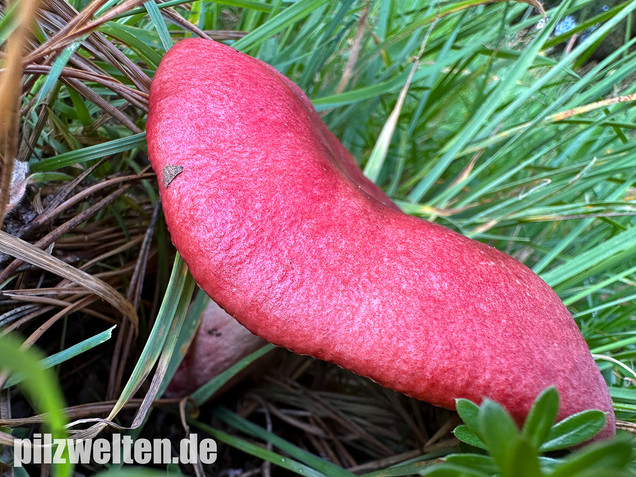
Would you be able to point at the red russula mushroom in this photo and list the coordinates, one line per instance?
(279, 227)
(219, 342)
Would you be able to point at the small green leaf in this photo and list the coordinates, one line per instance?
(452, 470)
(522, 460)
(468, 436)
(574, 430)
(605, 456)
(482, 463)
(542, 416)
(498, 431)
(469, 412)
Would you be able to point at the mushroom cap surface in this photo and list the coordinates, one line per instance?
(279, 226)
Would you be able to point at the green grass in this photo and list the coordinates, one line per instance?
(505, 133)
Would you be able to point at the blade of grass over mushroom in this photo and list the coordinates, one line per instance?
(26, 252)
(69, 353)
(171, 313)
(188, 330)
(167, 350)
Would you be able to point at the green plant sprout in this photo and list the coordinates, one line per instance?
(507, 451)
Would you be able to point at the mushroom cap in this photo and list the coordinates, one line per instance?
(278, 225)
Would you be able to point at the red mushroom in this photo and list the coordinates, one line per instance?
(279, 227)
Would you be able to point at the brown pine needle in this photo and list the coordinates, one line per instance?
(31, 254)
